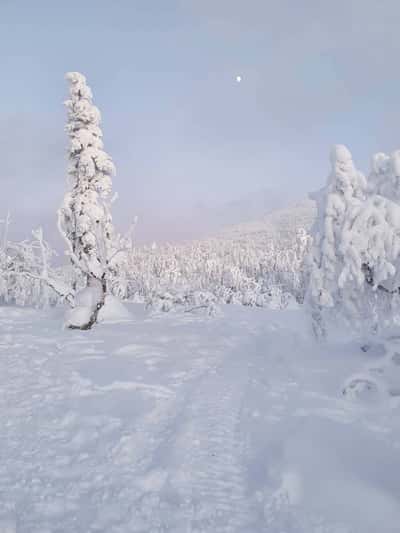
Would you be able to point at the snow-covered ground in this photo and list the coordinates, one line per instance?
(184, 423)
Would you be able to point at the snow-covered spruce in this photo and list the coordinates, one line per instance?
(355, 261)
(371, 244)
(84, 219)
(344, 192)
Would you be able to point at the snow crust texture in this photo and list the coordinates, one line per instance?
(189, 424)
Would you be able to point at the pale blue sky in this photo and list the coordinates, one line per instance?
(181, 131)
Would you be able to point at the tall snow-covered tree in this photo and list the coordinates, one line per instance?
(84, 219)
(371, 241)
(344, 192)
(355, 267)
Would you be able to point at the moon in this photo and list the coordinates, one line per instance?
(238, 79)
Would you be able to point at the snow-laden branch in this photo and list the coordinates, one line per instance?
(59, 287)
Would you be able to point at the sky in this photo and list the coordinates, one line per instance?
(184, 135)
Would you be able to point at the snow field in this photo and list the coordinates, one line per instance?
(190, 423)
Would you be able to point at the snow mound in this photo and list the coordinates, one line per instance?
(77, 317)
(363, 388)
(85, 302)
(113, 310)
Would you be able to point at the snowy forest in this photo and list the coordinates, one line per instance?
(197, 274)
(343, 268)
(245, 380)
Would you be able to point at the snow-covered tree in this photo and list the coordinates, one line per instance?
(84, 219)
(344, 193)
(371, 243)
(378, 176)
(384, 178)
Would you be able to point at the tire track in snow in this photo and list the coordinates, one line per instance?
(142, 446)
(209, 479)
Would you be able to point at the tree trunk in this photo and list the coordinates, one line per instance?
(96, 307)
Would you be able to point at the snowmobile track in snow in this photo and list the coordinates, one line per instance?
(209, 477)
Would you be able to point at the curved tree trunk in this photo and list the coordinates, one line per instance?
(95, 307)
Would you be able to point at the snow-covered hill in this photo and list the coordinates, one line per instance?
(277, 224)
(185, 424)
(252, 206)
(201, 221)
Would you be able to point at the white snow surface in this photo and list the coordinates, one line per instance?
(77, 316)
(186, 423)
(113, 310)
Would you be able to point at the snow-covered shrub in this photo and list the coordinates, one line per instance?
(25, 269)
(187, 301)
